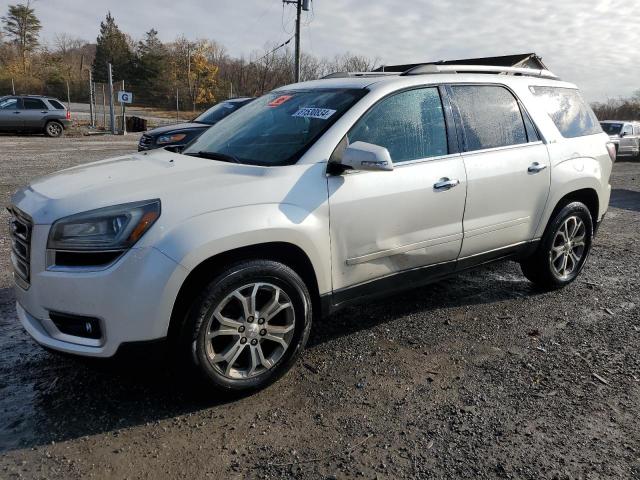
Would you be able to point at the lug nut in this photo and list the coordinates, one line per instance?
(241, 329)
(263, 332)
(261, 321)
(254, 342)
(250, 319)
(243, 340)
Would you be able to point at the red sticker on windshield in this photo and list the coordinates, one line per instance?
(279, 101)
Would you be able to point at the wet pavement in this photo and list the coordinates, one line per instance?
(477, 376)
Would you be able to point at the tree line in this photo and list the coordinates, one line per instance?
(195, 74)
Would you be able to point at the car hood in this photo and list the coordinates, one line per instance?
(177, 127)
(189, 184)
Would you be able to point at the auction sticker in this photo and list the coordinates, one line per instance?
(312, 112)
(276, 102)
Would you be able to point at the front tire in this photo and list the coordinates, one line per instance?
(563, 249)
(53, 129)
(248, 326)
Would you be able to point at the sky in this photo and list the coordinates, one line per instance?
(593, 43)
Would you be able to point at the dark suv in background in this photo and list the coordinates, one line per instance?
(33, 113)
(182, 133)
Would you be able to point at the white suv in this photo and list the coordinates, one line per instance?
(311, 197)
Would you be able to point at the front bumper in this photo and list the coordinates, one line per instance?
(132, 299)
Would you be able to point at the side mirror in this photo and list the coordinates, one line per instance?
(367, 156)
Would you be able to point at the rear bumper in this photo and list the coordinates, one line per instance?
(66, 123)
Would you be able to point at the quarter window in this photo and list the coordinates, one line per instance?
(568, 110)
(490, 117)
(56, 104)
(409, 124)
(34, 104)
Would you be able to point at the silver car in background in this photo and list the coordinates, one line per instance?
(625, 135)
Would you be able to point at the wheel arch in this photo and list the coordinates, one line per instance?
(287, 253)
(588, 196)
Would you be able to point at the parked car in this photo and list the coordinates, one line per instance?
(624, 135)
(33, 113)
(312, 197)
(182, 133)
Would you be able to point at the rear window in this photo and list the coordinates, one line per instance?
(568, 110)
(56, 104)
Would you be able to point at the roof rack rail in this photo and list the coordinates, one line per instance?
(431, 68)
(359, 74)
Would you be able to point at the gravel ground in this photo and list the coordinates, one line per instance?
(478, 376)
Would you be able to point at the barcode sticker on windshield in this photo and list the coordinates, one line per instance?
(312, 112)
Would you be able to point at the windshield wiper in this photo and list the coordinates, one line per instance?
(223, 157)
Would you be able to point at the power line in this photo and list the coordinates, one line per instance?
(274, 50)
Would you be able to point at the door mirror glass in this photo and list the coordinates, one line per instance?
(367, 156)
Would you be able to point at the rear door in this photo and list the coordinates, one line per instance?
(10, 113)
(34, 113)
(387, 223)
(507, 168)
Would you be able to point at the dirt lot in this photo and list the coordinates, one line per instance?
(479, 376)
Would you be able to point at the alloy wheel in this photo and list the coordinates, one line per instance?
(54, 129)
(568, 247)
(249, 331)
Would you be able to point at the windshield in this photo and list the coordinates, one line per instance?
(277, 128)
(217, 113)
(611, 128)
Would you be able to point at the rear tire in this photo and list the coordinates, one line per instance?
(563, 249)
(248, 326)
(53, 129)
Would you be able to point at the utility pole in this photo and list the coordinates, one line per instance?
(92, 112)
(112, 116)
(124, 118)
(300, 6)
(13, 86)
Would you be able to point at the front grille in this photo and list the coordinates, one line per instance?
(20, 227)
(145, 142)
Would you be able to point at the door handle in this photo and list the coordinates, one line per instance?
(16, 113)
(44, 111)
(445, 184)
(536, 167)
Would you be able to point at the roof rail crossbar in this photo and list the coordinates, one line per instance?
(430, 68)
(359, 74)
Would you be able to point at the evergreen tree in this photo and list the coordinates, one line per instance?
(22, 28)
(151, 56)
(112, 46)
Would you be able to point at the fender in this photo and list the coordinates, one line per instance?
(202, 237)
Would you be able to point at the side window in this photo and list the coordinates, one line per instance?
(34, 104)
(409, 124)
(9, 104)
(490, 117)
(570, 113)
(627, 130)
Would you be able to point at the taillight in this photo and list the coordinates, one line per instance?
(68, 114)
(611, 148)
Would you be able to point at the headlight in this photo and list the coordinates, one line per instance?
(176, 137)
(105, 229)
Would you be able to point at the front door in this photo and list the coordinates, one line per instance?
(507, 168)
(384, 223)
(10, 113)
